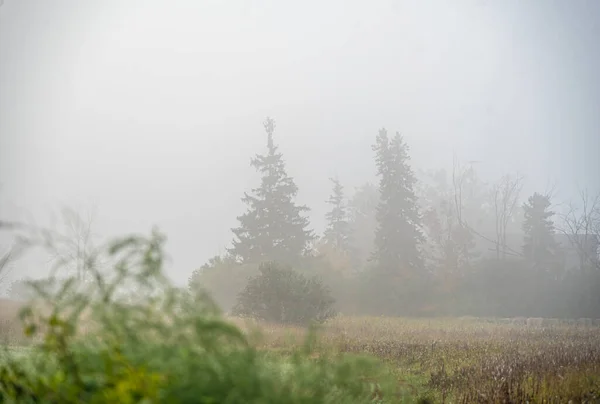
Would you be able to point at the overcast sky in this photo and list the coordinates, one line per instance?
(149, 111)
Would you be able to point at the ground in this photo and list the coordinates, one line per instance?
(441, 359)
(469, 359)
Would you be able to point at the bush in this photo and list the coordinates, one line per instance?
(164, 345)
(282, 295)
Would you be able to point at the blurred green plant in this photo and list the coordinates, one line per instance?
(129, 336)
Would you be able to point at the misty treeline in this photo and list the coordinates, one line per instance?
(419, 243)
(426, 243)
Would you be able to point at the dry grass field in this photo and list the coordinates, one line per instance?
(467, 359)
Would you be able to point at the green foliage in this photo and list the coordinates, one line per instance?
(363, 222)
(337, 233)
(398, 236)
(274, 227)
(539, 247)
(285, 296)
(392, 294)
(161, 344)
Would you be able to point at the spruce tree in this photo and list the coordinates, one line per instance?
(337, 233)
(273, 228)
(363, 222)
(539, 245)
(398, 236)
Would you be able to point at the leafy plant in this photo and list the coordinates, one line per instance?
(282, 295)
(98, 343)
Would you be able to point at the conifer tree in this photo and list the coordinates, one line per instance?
(273, 228)
(337, 233)
(539, 246)
(363, 222)
(398, 236)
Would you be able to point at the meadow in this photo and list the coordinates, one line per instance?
(465, 360)
(451, 360)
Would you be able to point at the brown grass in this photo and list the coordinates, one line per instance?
(466, 359)
(453, 359)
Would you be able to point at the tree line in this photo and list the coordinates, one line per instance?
(416, 242)
(420, 243)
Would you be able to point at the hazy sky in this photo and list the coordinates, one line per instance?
(149, 111)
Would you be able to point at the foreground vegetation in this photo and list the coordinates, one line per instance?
(441, 360)
(129, 336)
(125, 334)
(354, 359)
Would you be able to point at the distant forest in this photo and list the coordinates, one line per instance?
(427, 243)
(434, 243)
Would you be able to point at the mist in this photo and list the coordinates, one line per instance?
(147, 113)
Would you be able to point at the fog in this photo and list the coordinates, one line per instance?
(148, 112)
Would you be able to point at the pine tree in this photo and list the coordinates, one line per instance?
(337, 233)
(398, 236)
(539, 246)
(362, 207)
(273, 228)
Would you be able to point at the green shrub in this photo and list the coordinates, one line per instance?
(161, 344)
(282, 295)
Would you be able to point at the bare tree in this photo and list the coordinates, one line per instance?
(581, 226)
(69, 247)
(76, 244)
(458, 177)
(4, 268)
(461, 233)
(471, 206)
(451, 202)
(505, 198)
(6, 255)
(9, 255)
